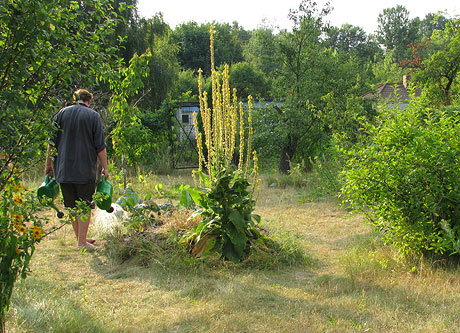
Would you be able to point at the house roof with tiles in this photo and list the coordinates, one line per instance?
(399, 91)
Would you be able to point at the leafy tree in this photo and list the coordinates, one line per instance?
(248, 81)
(260, 49)
(354, 41)
(440, 73)
(127, 31)
(431, 26)
(159, 86)
(309, 72)
(396, 30)
(194, 52)
(46, 47)
(431, 23)
(305, 76)
(229, 47)
(243, 36)
(152, 29)
(160, 125)
(164, 70)
(192, 40)
(418, 53)
(186, 87)
(152, 36)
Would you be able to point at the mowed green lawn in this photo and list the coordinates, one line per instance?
(353, 283)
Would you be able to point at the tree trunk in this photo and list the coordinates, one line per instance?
(287, 152)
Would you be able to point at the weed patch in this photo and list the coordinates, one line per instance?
(161, 243)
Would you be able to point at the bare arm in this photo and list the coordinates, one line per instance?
(49, 161)
(103, 158)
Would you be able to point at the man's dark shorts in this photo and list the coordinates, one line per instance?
(77, 192)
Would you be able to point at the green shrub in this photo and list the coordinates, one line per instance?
(405, 179)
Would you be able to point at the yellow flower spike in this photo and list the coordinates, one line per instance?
(211, 46)
(224, 120)
(256, 180)
(200, 85)
(250, 133)
(241, 160)
(200, 152)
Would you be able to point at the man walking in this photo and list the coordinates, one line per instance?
(79, 142)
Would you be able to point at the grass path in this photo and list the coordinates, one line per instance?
(354, 284)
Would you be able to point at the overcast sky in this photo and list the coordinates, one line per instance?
(251, 13)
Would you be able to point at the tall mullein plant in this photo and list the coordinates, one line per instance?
(226, 127)
(226, 199)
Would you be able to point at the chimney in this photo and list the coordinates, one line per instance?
(406, 79)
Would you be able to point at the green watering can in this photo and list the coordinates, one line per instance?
(47, 192)
(105, 187)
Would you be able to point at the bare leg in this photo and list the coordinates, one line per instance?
(81, 228)
(75, 226)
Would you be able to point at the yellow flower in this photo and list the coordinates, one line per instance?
(17, 217)
(22, 228)
(37, 232)
(18, 251)
(17, 199)
(17, 225)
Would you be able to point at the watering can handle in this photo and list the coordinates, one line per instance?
(103, 180)
(48, 178)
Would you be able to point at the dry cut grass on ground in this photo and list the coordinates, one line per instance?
(353, 283)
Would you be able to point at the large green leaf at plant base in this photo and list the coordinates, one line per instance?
(230, 253)
(237, 220)
(237, 237)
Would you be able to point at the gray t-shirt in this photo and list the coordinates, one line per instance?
(78, 140)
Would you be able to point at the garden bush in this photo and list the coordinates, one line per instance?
(405, 179)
